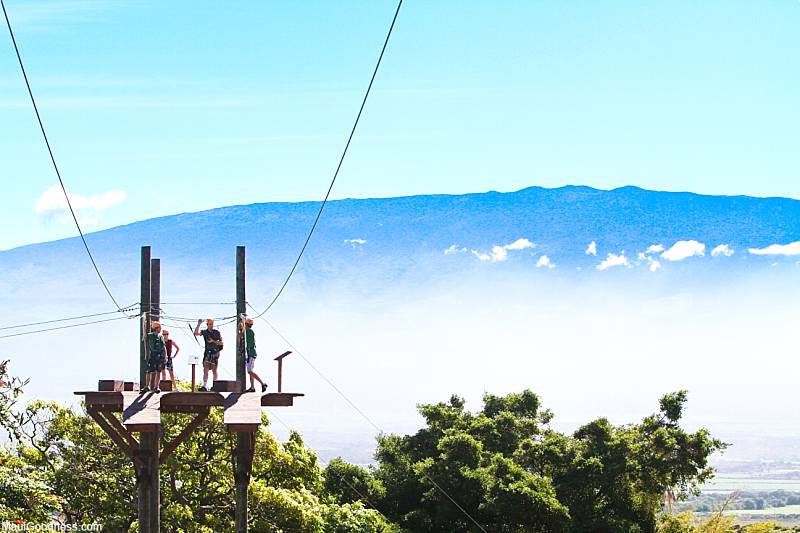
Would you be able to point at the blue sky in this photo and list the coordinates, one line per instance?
(155, 108)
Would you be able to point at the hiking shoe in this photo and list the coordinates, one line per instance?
(263, 387)
(202, 389)
(251, 389)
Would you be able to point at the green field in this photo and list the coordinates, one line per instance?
(731, 484)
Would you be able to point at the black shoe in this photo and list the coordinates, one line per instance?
(146, 389)
(251, 389)
(157, 391)
(202, 389)
(263, 387)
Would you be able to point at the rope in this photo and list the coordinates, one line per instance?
(339, 166)
(53, 159)
(363, 415)
(124, 309)
(64, 327)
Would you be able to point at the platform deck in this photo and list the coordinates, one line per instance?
(144, 408)
(243, 411)
(141, 412)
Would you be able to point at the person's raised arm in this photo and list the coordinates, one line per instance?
(197, 328)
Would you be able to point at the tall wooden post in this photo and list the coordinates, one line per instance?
(244, 441)
(150, 441)
(144, 302)
(241, 309)
(143, 472)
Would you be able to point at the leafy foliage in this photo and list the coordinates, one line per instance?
(502, 469)
(509, 471)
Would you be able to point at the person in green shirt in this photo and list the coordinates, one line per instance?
(155, 358)
(250, 362)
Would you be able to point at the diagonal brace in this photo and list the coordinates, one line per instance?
(190, 427)
(131, 450)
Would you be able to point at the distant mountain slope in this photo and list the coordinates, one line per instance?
(406, 232)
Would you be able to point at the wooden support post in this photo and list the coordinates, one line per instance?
(147, 474)
(280, 359)
(241, 309)
(242, 466)
(150, 442)
(144, 303)
(143, 481)
(193, 376)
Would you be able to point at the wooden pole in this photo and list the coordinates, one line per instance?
(144, 302)
(244, 443)
(280, 374)
(150, 441)
(241, 309)
(143, 484)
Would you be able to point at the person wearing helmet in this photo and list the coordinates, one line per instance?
(169, 344)
(214, 344)
(250, 362)
(155, 358)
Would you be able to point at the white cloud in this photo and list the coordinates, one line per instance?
(655, 249)
(544, 262)
(778, 249)
(591, 249)
(454, 249)
(87, 208)
(519, 244)
(683, 249)
(652, 264)
(498, 253)
(355, 242)
(613, 260)
(722, 249)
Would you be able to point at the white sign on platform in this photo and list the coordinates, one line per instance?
(193, 359)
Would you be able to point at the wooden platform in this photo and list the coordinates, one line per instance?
(141, 412)
(243, 411)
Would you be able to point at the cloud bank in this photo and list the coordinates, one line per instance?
(52, 203)
(498, 253)
(684, 249)
(778, 249)
(722, 249)
(613, 260)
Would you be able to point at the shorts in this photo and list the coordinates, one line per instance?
(168, 363)
(250, 364)
(210, 360)
(155, 363)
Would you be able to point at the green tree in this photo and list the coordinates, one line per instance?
(97, 481)
(509, 471)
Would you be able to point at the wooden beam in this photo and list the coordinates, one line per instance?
(190, 427)
(241, 467)
(114, 436)
(116, 424)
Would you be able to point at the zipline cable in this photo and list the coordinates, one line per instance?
(66, 327)
(339, 166)
(52, 157)
(68, 319)
(363, 415)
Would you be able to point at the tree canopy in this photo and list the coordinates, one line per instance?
(500, 469)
